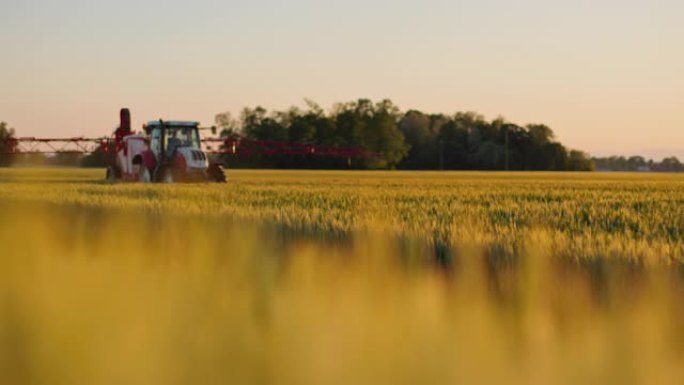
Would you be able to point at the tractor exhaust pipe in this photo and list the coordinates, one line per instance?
(123, 130)
(125, 121)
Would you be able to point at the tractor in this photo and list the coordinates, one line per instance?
(166, 151)
(172, 151)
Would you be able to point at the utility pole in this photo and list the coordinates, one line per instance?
(441, 155)
(507, 151)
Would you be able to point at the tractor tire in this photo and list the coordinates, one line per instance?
(215, 173)
(168, 175)
(110, 176)
(144, 175)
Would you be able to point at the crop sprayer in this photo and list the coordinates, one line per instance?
(169, 151)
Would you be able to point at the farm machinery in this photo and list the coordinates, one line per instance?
(170, 151)
(166, 151)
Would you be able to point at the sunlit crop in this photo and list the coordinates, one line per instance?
(588, 215)
(342, 277)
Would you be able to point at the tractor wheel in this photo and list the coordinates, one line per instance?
(110, 176)
(216, 174)
(144, 175)
(168, 175)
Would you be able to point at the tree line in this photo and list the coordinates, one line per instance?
(638, 163)
(402, 140)
(412, 140)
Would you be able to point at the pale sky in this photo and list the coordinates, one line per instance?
(606, 75)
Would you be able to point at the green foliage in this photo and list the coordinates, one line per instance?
(638, 163)
(97, 158)
(466, 141)
(361, 124)
(257, 124)
(580, 161)
(372, 127)
(411, 140)
(226, 124)
(6, 149)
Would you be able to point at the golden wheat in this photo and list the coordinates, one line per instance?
(339, 278)
(634, 216)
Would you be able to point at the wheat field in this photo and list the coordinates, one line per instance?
(309, 277)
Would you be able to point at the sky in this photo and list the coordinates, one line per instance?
(606, 75)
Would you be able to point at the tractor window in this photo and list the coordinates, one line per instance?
(182, 136)
(155, 141)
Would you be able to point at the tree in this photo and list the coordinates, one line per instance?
(415, 126)
(96, 159)
(227, 125)
(418, 134)
(489, 156)
(351, 119)
(372, 127)
(580, 161)
(303, 127)
(257, 124)
(7, 147)
(554, 157)
(540, 133)
(413, 140)
(452, 142)
(671, 164)
(636, 162)
(386, 139)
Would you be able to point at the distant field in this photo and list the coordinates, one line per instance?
(634, 216)
(294, 277)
